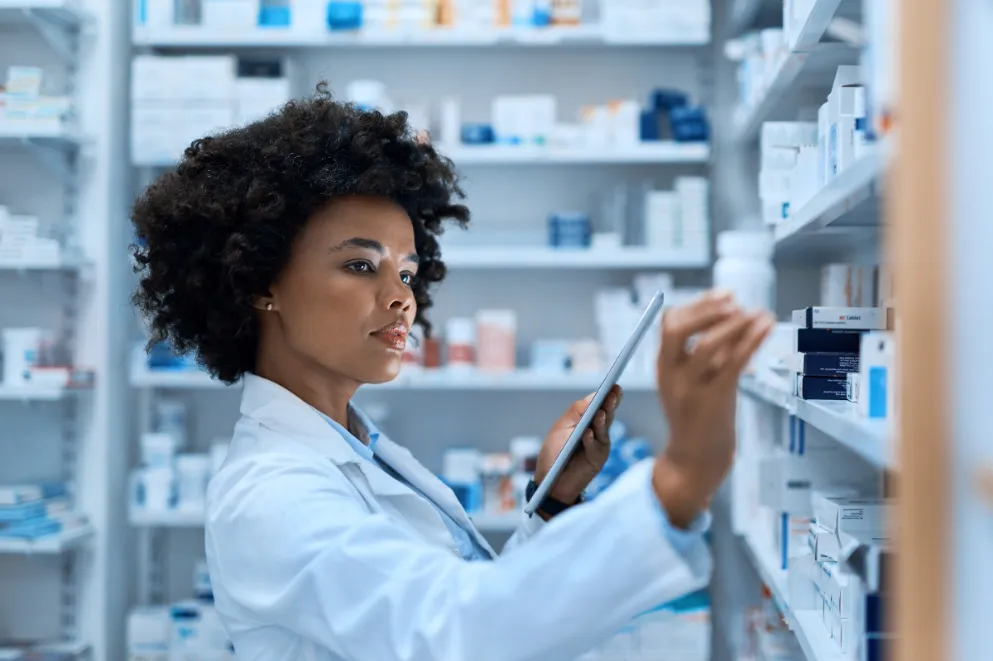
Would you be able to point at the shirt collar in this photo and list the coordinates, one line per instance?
(365, 429)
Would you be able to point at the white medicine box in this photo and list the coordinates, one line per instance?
(856, 517)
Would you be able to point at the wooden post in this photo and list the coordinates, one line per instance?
(918, 217)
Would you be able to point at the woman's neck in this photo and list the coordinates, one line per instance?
(325, 390)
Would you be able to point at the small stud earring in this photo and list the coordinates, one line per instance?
(268, 307)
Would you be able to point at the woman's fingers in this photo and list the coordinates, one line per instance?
(682, 323)
(712, 348)
(757, 331)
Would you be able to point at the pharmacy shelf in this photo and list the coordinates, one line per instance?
(742, 14)
(63, 13)
(33, 393)
(813, 636)
(800, 78)
(592, 258)
(845, 205)
(440, 379)
(643, 153)
(142, 518)
(870, 439)
(588, 35)
(28, 132)
(49, 544)
(65, 263)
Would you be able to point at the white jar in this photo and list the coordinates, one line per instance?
(744, 267)
(192, 473)
(21, 349)
(460, 339)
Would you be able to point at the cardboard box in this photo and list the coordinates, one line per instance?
(787, 481)
(852, 383)
(877, 381)
(821, 388)
(841, 318)
(824, 340)
(858, 517)
(824, 364)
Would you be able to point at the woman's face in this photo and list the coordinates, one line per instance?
(344, 303)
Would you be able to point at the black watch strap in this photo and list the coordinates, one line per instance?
(549, 506)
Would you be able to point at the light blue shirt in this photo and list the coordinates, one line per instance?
(681, 540)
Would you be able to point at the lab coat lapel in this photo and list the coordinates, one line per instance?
(403, 462)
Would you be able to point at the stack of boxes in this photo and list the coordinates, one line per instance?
(36, 511)
(842, 576)
(826, 347)
(789, 475)
(784, 145)
(678, 220)
(801, 158)
(176, 100)
(22, 242)
(23, 108)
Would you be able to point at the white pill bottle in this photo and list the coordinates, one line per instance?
(744, 267)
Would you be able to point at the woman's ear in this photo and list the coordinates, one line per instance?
(265, 303)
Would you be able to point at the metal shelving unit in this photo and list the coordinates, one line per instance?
(61, 24)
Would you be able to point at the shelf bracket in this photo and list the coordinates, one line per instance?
(69, 605)
(59, 33)
(55, 158)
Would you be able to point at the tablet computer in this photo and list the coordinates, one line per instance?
(622, 360)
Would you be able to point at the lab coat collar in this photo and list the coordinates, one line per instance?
(276, 408)
(279, 410)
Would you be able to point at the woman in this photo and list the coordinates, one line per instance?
(295, 254)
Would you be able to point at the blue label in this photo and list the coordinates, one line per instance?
(877, 392)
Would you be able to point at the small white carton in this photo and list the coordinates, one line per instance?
(857, 517)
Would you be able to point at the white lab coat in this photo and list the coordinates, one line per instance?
(317, 554)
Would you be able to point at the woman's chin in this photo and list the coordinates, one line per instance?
(387, 372)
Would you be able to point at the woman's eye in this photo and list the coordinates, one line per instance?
(360, 267)
(408, 278)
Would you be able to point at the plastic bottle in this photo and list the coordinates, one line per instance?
(496, 346)
(461, 343)
(744, 267)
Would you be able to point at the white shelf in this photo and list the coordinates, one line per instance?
(49, 544)
(836, 205)
(520, 380)
(643, 153)
(65, 12)
(167, 379)
(168, 519)
(439, 379)
(814, 638)
(591, 258)
(589, 35)
(32, 393)
(30, 131)
(64, 263)
(870, 439)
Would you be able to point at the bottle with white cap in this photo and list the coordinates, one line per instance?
(460, 337)
(744, 267)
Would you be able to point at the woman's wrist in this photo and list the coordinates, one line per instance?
(681, 495)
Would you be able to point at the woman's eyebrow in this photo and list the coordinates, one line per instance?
(370, 244)
(359, 242)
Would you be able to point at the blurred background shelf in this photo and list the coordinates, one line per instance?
(552, 258)
(440, 379)
(644, 153)
(813, 636)
(47, 545)
(33, 393)
(585, 35)
(873, 440)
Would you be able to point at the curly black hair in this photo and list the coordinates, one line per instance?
(215, 233)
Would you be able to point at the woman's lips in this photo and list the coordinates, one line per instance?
(394, 336)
